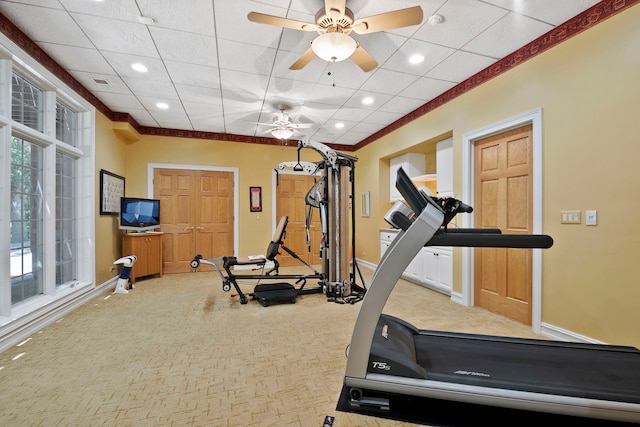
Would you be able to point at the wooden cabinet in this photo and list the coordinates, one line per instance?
(414, 164)
(148, 248)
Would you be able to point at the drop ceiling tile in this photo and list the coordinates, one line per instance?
(161, 91)
(381, 46)
(401, 105)
(232, 23)
(119, 101)
(121, 64)
(46, 25)
(388, 82)
(50, 4)
(356, 101)
(142, 117)
(256, 59)
(95, 82)
(193, 75)
(463, 20)
(122, 10)
(78, 58)
(352, 114)
(123, 37)
(185, 47)
(198, 94)
(382, 117)
(196, 17)
(308, 92)
(507, 35)
(426, 88)
(459, 66)
(372, 8)
(343, 74)
(553, 12)
(366, 129)
(174, 117)
(243, 86)
(433, 55)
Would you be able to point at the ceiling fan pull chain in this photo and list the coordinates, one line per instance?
(332, 75)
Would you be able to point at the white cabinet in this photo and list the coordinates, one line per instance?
(414, 164)
(444, 167)
(432, 267)
(386, 237)
(438, 268)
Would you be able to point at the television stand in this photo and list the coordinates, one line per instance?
(147, 246)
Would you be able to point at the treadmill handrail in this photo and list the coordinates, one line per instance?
(394, 261)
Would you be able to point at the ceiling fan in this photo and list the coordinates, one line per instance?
(334, 23)
(283, 127)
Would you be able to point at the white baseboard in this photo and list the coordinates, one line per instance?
(560, 334)
(18, 330)
(367, 264)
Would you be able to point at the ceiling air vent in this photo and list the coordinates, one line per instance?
(101, 82)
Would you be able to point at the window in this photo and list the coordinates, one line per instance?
(65, 219)
(47, 212)
(66, 124)
(27, 238)
(27, 103)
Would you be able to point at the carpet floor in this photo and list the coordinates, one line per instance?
(178, 351)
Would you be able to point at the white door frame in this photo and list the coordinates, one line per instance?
(534, 118)
(236, 183)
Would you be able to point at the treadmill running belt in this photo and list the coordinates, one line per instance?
(569, 369)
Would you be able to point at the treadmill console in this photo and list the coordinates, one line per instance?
(415, 199)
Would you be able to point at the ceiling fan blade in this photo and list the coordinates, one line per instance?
(363, 59)
(388, 21)
(303, 60)
(335, 8)
(262, 18)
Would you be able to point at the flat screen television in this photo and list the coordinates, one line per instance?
(139, 214)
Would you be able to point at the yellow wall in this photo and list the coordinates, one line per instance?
(128, 154)
(589, 93)
(110, 155)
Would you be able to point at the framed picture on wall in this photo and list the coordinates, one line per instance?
(364, 204)
(255, 199)
(111, 190)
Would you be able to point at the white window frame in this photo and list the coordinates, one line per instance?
(21, 319)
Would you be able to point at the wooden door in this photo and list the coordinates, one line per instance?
(196, 213)
(290, 201)
(503, 199)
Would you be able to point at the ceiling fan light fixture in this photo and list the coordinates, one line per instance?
(282, 133)
(334, 46)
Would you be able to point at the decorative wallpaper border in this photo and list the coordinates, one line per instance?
(592, 16)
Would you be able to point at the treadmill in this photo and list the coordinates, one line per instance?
(389, 357)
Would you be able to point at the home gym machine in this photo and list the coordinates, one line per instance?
(390, 360)
(332, 197)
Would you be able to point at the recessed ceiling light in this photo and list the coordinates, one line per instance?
(162, 105)
(139, 67)
(339, 125)
(416, 58)
(367, 100)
